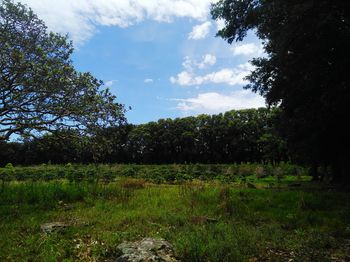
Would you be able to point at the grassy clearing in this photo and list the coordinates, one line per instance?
(205, 221)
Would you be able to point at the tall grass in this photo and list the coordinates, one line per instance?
(204, 220)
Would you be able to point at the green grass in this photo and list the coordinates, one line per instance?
(277, 223)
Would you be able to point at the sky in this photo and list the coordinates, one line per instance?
(159, 57)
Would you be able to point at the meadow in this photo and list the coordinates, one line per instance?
(246, 212)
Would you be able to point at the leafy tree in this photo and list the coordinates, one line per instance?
(236, 136)
(304, 72)
(115, 143)
(40, 90)
(64, 147)
(11, 153)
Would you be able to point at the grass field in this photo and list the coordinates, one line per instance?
(204, 220)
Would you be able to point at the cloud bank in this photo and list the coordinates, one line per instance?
(229, 76)
(200, 31)
(80, 17)
(213, 102)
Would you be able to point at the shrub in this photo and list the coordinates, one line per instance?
(128, 171)
(154, 173)
(7, 173)
(279, 173)
(259, 172)
(181, 177)
(245, 170)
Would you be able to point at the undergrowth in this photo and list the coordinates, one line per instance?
(204, 220)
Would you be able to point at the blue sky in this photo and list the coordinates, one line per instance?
(160, 57)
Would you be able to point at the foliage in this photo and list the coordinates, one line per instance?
(233, 137)
(7, 173)
(304, 70)
(40, 89)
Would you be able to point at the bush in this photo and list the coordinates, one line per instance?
(154, 173)
(7, 173)
(128, 171)
(259, 172)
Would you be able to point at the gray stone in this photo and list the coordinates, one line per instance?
(146, 250)
(53, 227)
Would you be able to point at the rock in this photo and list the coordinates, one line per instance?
(146, 250)
(53, 227)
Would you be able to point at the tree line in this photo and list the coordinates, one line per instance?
(233, 137)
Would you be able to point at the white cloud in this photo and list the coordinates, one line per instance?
(109, 84)
(183, 79)
(190, 65)
(230, 76)
(208, 60)
(148, 80)
(220, 24)
(247, 49)
(213, 102)
(80, 17)
(200, 31)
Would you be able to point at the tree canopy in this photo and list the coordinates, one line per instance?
(40, 90)
(304, 72)
(233, 137)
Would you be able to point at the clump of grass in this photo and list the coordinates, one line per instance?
(133, 183)
(226, 203)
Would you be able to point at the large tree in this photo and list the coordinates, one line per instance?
(40, 90)
(305, 71)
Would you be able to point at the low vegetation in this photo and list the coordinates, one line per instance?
(153, 173)
(217, 214)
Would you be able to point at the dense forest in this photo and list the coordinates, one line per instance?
(233, 137)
